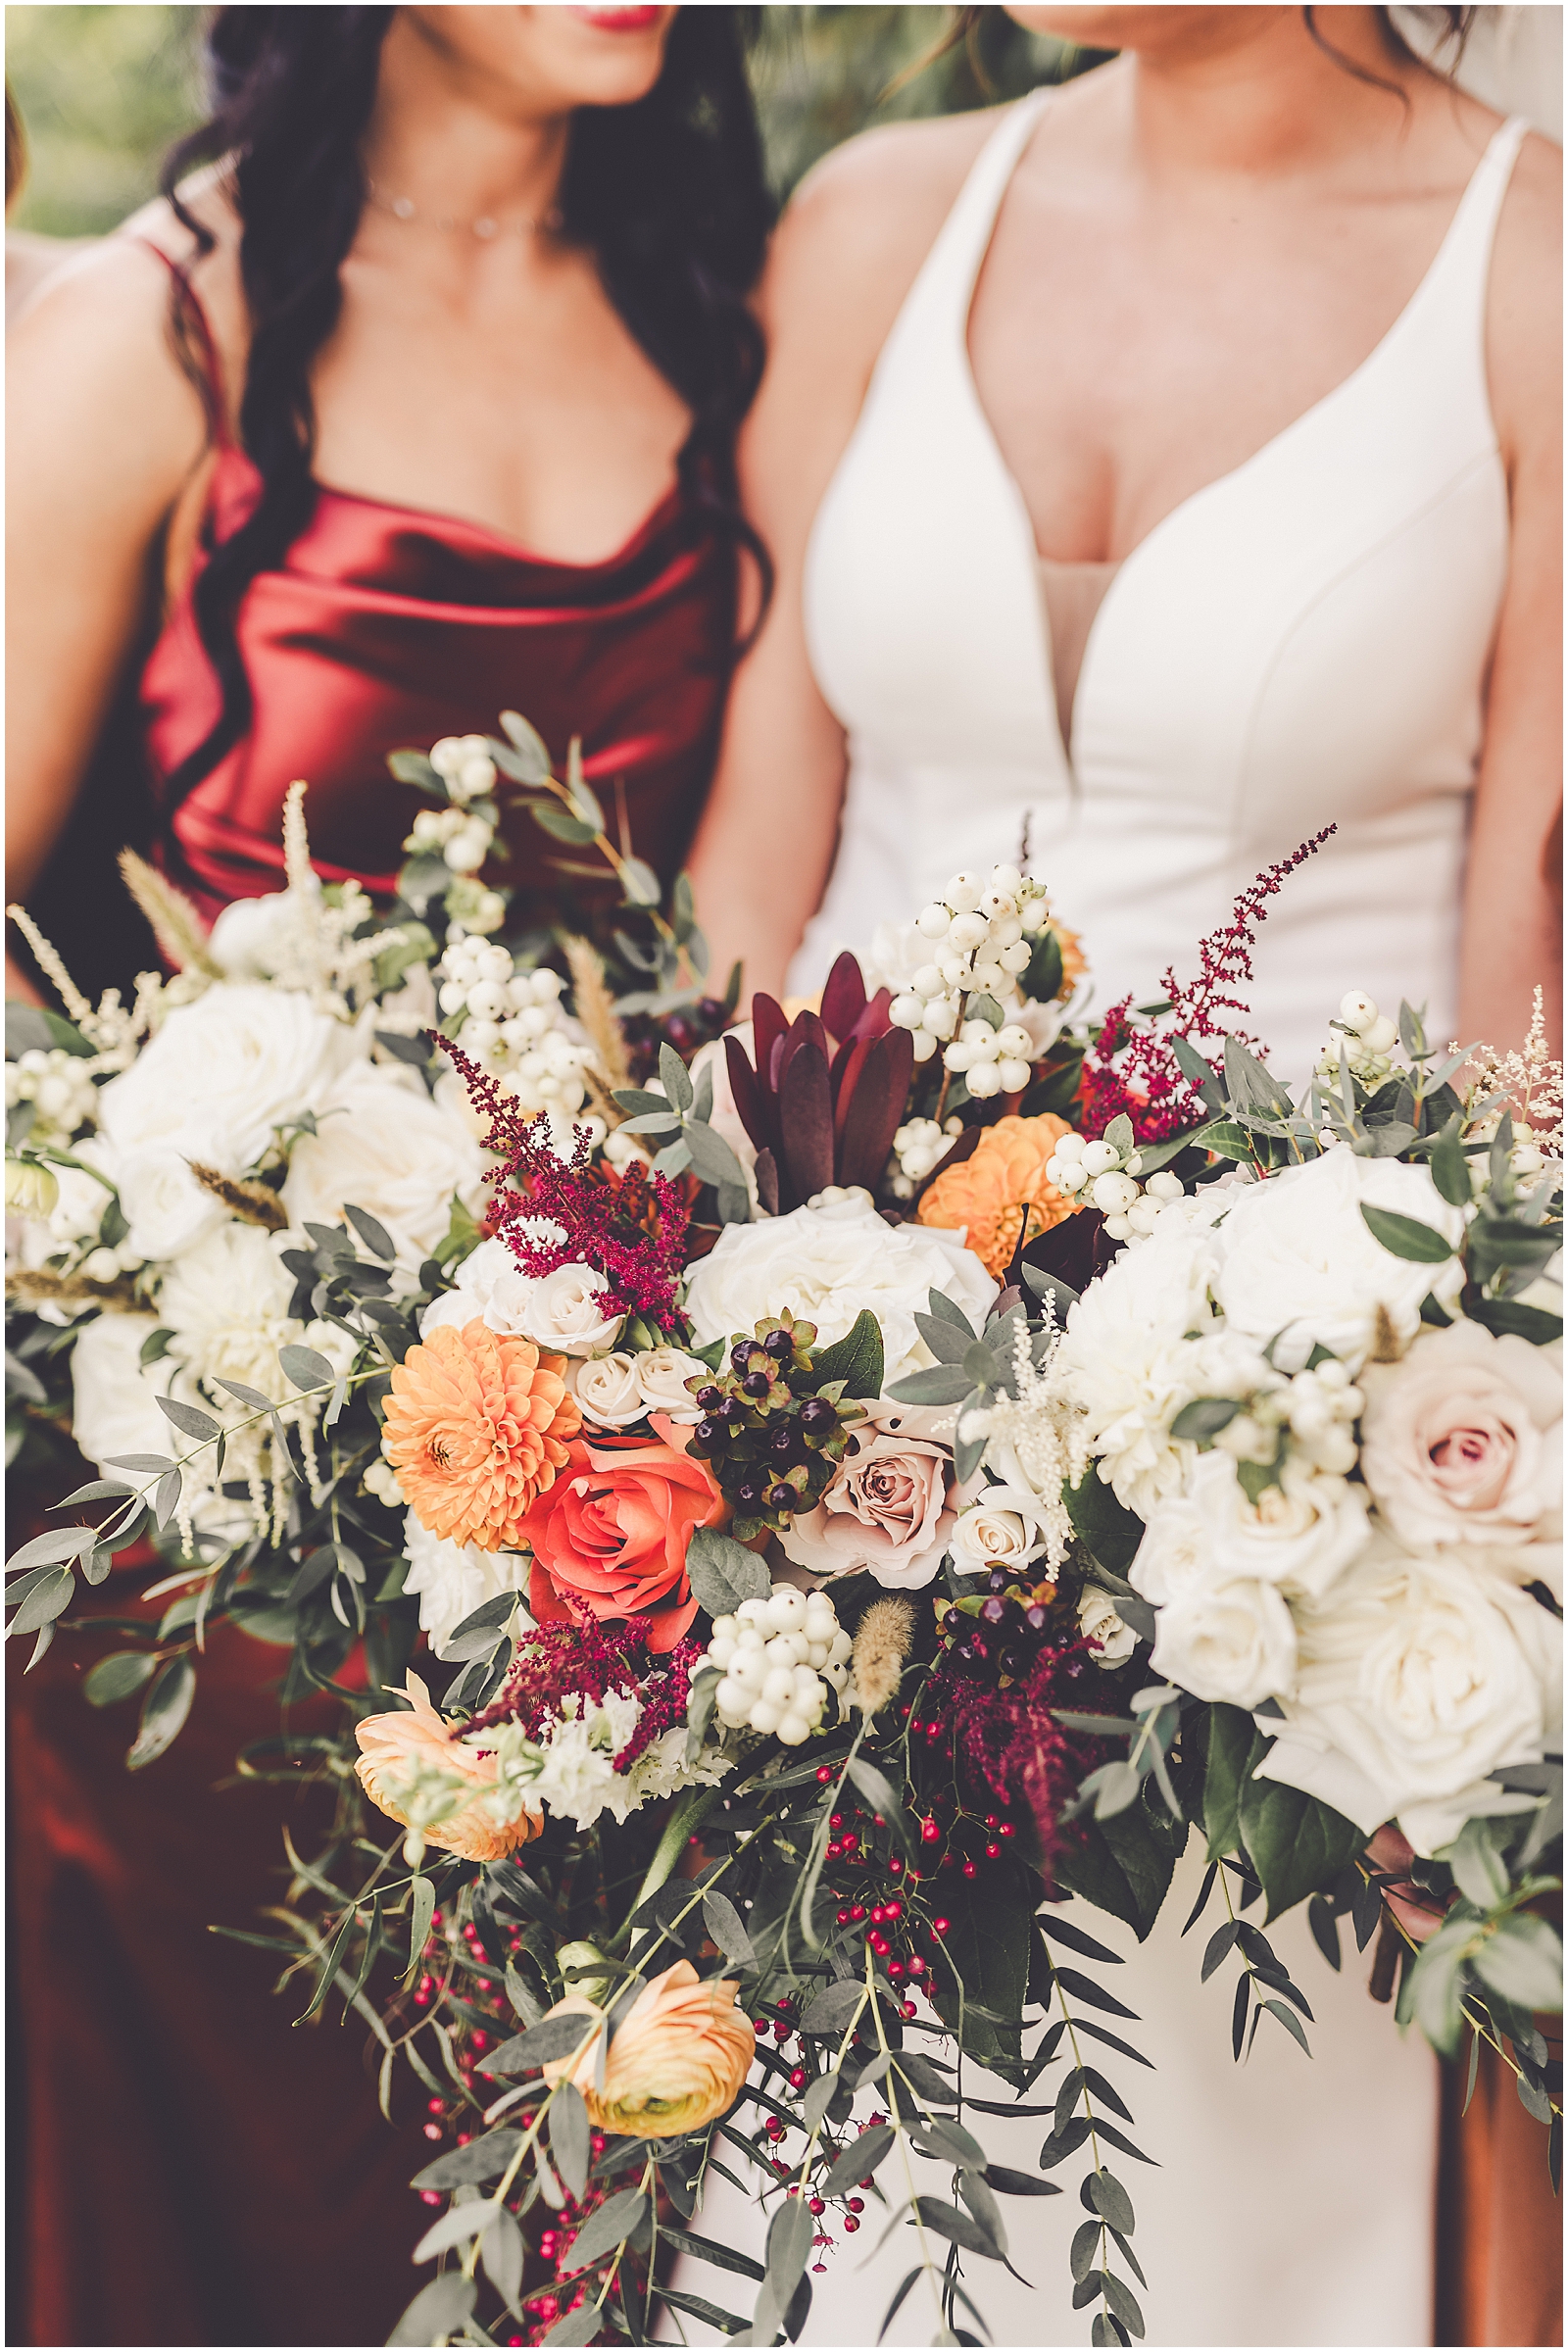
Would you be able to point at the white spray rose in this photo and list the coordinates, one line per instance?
(1003, 1529)
(571, 1310)
(1101, 1621)
(1233, 1641)
(1300, 1258)
(1416, 1679)
(1461, 1441)
(607, 1389)
(662, 1374)
(453, 1579)
(1298, 1535)
(824, 1265)
(383, 1144)
(490, 1288)
(254, 938)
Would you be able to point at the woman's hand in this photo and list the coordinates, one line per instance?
(1418, 1911)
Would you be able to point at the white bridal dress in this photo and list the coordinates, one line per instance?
(1302, 641)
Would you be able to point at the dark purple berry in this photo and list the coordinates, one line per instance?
(995, 1582)
(739, 1357)
(779, 1342)
(817, 1417)
(757, 1384)
(1035, 1619)
(994, 1610)
(680, 1033)
(780, 1497)
(783, 1444)
(707, 1432)
(711, 1399)
(748, 1494)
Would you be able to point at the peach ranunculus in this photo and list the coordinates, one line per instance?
(676, 2060)
(999, 1187)
(888, 1509)
(610, 1534)
(477, 1426)
(1462, 1440)
(396, 1748)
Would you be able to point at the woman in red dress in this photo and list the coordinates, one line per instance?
(415, 404)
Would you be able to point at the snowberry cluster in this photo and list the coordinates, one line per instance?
(1109, 1181)
(60, 1087)
(464, 767)
(917, 1147)
(461, 837)
(1366, 1036)
(514, 1026)
(979, 947)
(1320, 1408)
(778, 1657)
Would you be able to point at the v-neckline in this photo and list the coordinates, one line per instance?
(1194, 498)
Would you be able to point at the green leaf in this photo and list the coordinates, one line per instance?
(437, 2311)
(118, 1676)
(723, 1573)
(302, 1367)
(1111, 1532)
(44, 1602)
(937, 1384)
(528, 759)
(559, 823)
(57, 1544)
(421, 1911)
(163, 1712)
(188, 1417)
(1111, 2200)
(675, 1077)
(1480, 1871)
(1506, 1315)
(789, 2248)
(607, 2228)
(857, 1359)
(1201, 1421)
(989, 1945)
(829, 2013)
(1523, 1961)
(878, 1792)
(1124, 1865)
(723, 2258)
(579, 2326)
(727, 1929)
(639, 882)
(1234, 1747)
(35, 1029)
(1226, 1140)
(1298, 1844)
(1406, 1237)
(570, 2140)
(553, 2038)
(1451, 1171)
(859, 2161)
(960, 2227)
(371, 1233)
(1289, 2019)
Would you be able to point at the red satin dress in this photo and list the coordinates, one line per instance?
(188, 2167)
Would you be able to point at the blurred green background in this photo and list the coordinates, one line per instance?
(103, 91)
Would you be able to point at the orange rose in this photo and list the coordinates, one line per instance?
(393, 1750)
(1001, 1190)
(476, 1425)
(610, 1534)
(676, 2060)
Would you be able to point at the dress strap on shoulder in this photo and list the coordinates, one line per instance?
(194, 333)
(953, 264)
(1475, 222)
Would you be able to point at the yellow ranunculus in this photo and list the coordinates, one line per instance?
(675, 2061)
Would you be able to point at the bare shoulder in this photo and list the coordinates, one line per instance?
(862, 223)
(1524, 311)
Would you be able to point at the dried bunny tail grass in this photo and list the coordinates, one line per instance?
(175, 924)
(72, 1289)
(597, 1012)
(51, 964)
(1386, 1345)
(882, 1642)
(257, 1203)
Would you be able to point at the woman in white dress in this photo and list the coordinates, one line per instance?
(1170, 465)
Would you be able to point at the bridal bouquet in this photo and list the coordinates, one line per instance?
(866, 1478)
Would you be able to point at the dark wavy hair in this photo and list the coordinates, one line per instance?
(667, 193)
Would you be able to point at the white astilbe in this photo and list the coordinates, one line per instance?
(1038, 1439)
(1531, 1085)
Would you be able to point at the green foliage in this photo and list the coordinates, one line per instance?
(101, 93)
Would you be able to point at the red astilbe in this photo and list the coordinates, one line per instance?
(631, 1227)
(1007, 1745)
(1133, 1072)
(586, 1659)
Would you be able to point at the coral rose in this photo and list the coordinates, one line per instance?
(676, 2060)
(396, 1748)
(611, 1535)
(477, 1426)
(1000, 1188)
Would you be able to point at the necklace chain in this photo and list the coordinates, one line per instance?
(404, 209)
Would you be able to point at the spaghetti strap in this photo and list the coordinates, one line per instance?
(194, 333)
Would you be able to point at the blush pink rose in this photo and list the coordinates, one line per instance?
(1462, 1440)
(892, 1504)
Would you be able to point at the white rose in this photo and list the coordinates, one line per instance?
(453, 1579)
(1003, 1529)
(490, 1286)
(608, 1390)
(1300, 1258)
(1175, 1558)
(1127, 1360)
(166, 1209)
(224, 1072)
(824, 1265)
(565, 1311)
(1300, 1536)
(227, 1302)
(383, 1144)
(115, 1405)
(1416, 1679)
(1233, 1641)
(1100, 1621)
(661, 1376)
(1461, 1441)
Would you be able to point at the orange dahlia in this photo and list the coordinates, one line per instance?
(1002, 1193)
(476, 1425)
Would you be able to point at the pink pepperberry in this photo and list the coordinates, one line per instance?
(855, 2204)
(929, 1831)
(851, 2225)
(968, 1870)
(429, 2196)
(432, 2131)
(815, 2205)
(824, 1773)
(941, 1926)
